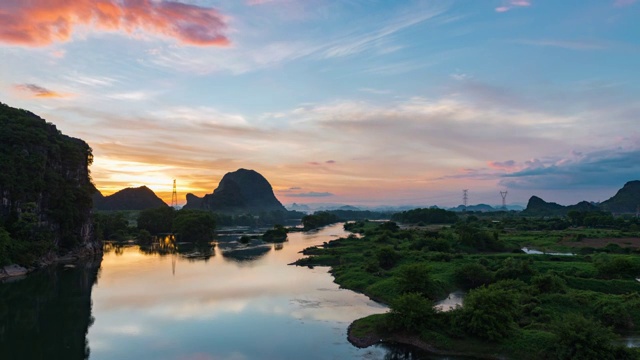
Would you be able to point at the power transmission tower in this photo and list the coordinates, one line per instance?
(465, 198)
(174, 195)
(504, 199)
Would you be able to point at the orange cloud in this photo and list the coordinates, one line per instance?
(38, 91)
(42, 22)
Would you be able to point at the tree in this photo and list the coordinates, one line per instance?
(411, 312)
(194, 225)
(276, 235)
(581, 338)
(111, 226)
(387, 257)
(414, 278)
(472, 275)
(489, 313)
(157, 220)
(5, 241)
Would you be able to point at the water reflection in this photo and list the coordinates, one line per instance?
(452, 301)
(47, 314)
(158, 302)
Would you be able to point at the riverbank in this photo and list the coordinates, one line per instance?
(15, 272)
(519, 306)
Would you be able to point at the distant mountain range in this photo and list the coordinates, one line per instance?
(485, 208)
(242, 191)
(626, 200)
(139, 198)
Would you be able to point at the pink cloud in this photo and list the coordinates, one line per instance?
(510, 4)
(38, 91)
(42, 22)
(502, 165)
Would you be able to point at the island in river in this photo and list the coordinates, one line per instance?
(517, 306)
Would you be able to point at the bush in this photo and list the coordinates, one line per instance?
(549, 283)
(488, 313)
(158, 220)
(414, 278)
(387, 257)
(5, 241)
(194, 225)
(144, 237)
(581, 338)
(411, 312)
(472, 275)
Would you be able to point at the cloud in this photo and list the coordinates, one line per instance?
(330, 162)
(509, 164)
(600, 168)
(371, 37)
(38, 91)
(510, 4)
(42, 22)
(311, 194)
(359, 43)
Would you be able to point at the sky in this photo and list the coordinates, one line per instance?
(362, 102)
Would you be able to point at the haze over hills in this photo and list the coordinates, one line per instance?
(139, 198)
(241, 191)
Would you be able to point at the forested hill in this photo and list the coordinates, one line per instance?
(626, 200)
(139, 198)
(45, 189)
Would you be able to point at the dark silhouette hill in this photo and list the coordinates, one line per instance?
(241, 191)
(45, 189)
(478, 207)
(626, 200)
(538, 207)
(139, 198)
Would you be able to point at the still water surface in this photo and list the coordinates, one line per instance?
(231, 301)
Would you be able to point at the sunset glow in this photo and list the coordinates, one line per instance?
(359, 102)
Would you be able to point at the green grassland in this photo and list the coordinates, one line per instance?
(517, 306)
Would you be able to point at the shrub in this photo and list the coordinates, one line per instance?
(411, 312)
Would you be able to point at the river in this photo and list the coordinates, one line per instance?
(231, 301)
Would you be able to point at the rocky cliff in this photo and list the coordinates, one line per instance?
(139, 198)
(45, 190)
(241, 191)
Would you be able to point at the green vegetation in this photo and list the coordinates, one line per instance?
(158, 220)
(194, 225)
(319, 219)
(517, 306)
(276, 235)
(45, 188)
(426, 216)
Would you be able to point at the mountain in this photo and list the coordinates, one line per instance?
(299, 207)
(139, 198)
(539, 207)
(241, 191)
(45, 190)
(478, 207)
(626, 200)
